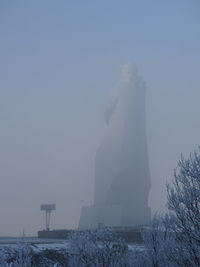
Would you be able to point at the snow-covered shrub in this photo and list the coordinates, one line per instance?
(159, 242)
(174, 239)
(184, 204)
(24, 256)
(19, 257)
(97, 248)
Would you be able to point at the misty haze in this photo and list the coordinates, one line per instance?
(98, 101)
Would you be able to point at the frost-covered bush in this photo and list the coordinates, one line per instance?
(97, 248)
(174, 239)
(21, 257)
(184, 204)
(159, 242)
(24, 256)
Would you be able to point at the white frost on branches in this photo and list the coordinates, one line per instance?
(97, 248)
(184, 204)
(174, 239)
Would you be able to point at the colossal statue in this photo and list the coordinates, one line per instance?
(122, 175)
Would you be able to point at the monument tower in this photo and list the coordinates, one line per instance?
(122, 175)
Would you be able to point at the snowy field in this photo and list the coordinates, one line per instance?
(40, 244)
(43, 251)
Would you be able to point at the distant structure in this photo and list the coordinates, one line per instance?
(122, 175)
(48, 208)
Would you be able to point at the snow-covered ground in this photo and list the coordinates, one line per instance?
(10, 247)
(42, 243)
(38, 244)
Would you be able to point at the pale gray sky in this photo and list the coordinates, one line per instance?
(58, 61)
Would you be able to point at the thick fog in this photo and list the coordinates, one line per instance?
(59, 63)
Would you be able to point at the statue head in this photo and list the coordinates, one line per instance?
(128, 72)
